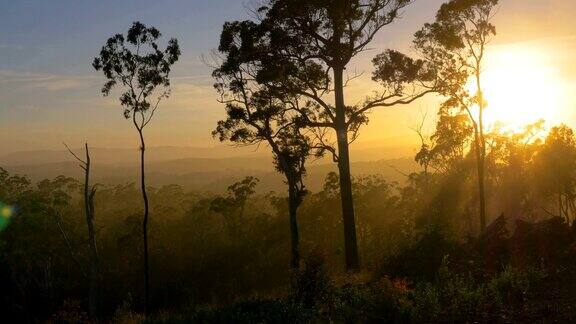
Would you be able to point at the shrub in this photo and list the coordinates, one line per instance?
(457, 297)
(311, 285)
(383, 301)
(423, 259)
(250, 311)
(513, 286)
(71, 312)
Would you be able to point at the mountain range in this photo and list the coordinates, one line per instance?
(201, 168)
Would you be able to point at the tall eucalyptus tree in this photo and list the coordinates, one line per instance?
(257, 114)
(456, 45)
(302, 48)
(135, 63)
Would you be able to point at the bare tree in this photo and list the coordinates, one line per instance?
(94, 269)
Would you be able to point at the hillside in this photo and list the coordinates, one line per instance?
(166, 166)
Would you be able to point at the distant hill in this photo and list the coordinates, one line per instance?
(126, 156)
(392, 148)
(211, 174)
(207, 169)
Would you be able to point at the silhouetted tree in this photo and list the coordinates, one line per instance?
(257, 114)
(447, 147)
(556, 169)
(455, 43)
(423, 157)
(136, 64)
(232, 207)
(55, 196)
(89, 193)
(510, 162)
(302, 47)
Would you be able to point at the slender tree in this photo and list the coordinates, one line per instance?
(257, 114)
(135, 63)
(456, 43)
(303, 47)
(89, 193)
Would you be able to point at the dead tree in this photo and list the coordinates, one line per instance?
(89, 194)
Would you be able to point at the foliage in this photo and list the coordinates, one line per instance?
(414, 241)
(135, 62)
(455, 46)
(297, 51)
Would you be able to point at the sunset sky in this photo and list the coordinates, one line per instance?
(49, 92)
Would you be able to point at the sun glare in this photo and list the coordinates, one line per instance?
(6, 213)
(521, 86)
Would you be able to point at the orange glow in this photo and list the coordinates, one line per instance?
(521, 86)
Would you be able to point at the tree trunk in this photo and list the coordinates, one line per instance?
(481, 149)
(350, 242)
(480, 174)
(94, 262)
(293, 203)
(145, 226)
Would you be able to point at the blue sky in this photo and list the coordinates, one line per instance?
(49, 92)
(55, 35)
(48, 89)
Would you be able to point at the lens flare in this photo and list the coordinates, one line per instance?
(6, 213)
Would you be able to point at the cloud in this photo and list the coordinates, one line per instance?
(196, 95)
(11, 47)
(44, 81)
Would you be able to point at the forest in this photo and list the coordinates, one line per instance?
(483, 232)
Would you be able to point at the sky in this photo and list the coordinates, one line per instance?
(50, 94)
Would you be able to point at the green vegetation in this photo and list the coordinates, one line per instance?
(226, 259)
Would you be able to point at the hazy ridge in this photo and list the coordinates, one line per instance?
(192, 167)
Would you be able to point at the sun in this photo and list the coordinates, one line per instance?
(521, 86)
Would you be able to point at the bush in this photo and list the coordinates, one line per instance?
(71, 312)
(513, 286)
(311, 285)
(125, 315)
(458, 297)
(422, 260)
(382, 301)
(451, 296)
(251, 311)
